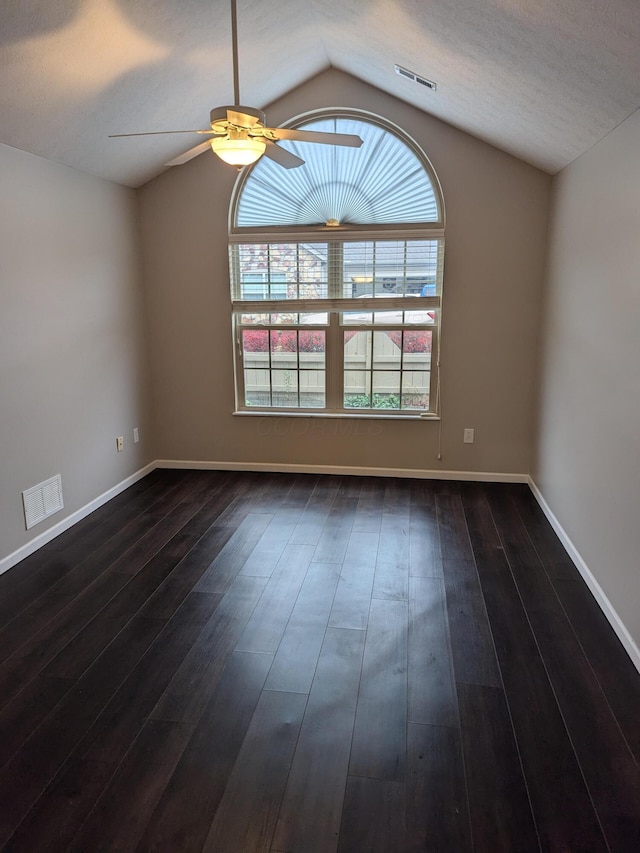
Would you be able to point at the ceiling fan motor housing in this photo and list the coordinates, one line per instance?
(236, 115)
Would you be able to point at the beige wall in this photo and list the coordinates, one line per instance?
(497, 212)
(588, 458)
(72, 358)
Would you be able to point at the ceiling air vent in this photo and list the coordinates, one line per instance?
(42, 500)
(411, 75)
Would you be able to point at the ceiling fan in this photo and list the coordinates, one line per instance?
(240, 136)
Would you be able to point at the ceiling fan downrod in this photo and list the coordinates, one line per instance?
(234, 50)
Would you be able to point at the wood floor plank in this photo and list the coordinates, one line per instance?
(118, 819)
(380, 733)
(397, 498)
(30, 580)
(437, 809)
(310, 814)
(246, 817)
(270, 617)
(49, 603)
(611, 664)
(300, 490)
(602, 751)
(103, 739)
(564, 815)
(30, 659)
(501, 818)
(391, 578)
(269, 548)
(452, 528)
(165, 600)
(115, 729)
(183, 816)
(30, 771)
(422, 493)
(373, 816)
(350, 487)
(474, 654)
(98, 526)
(83, 596)
(430, 675)
(189, 691)
(352, 600)
(333, 541)
(297, 656)
(20, 717)
(219, 576)
(557, 562)
(424, 542)
(68, 799)
(368, 515)
(316, 511)
(88, 643)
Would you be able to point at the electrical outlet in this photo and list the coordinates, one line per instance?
(136, 435)
(120, 443)
(468, 436)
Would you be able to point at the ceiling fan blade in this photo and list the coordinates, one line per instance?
(348, 139)
(158, 133)
(281, 156)
(190, 154)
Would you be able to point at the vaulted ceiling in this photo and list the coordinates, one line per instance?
(541, 79)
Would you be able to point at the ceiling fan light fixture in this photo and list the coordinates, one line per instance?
(238, 152)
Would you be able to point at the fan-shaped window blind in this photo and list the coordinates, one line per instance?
(383, 182)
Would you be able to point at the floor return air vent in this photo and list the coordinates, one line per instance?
(42, 500)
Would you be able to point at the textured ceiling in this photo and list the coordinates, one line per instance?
(542, 79)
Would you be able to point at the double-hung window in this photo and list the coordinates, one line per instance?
(336, 284)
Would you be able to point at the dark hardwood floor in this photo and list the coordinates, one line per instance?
(268, 662)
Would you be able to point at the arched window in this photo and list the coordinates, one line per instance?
(314, 250)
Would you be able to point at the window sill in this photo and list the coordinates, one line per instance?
(331, 415)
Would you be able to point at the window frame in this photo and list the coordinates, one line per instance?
(335, 237)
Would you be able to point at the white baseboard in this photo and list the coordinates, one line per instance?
(285, 468)
(596, 590)
(29, 547)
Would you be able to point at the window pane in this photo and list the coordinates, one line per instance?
(254, 319)
(386, 351)
(357, 389)
(415, 342)
(263, 271)
(422, 317)
(284, 384)
(415, 389)
(287, 318)
(386, 382)
(284, 367)
(315, 319)
(312, 388)
(311, 341)
(255, 340)
(357, 350)
(263, 285)
(387, 369)
(357, 318)
(381, 268)
(284, 342)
